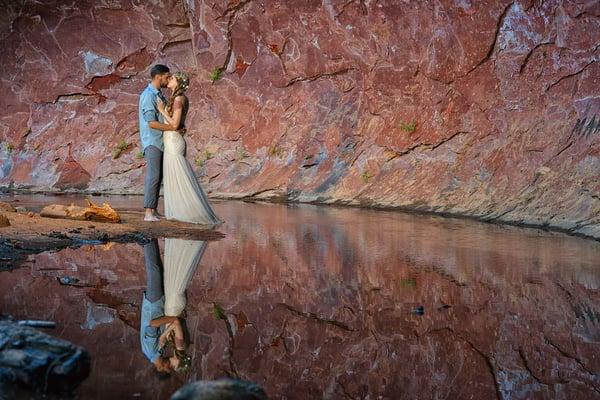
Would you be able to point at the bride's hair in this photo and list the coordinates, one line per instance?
(183, 83)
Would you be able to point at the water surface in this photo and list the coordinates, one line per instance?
(323, 302)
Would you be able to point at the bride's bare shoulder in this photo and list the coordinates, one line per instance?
(181, 99)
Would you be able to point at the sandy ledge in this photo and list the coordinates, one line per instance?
(30, 234)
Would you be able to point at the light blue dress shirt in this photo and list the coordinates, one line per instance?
(149, 335)
(149, 112)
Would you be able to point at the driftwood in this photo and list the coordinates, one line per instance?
(90, 213)
(35, 323)
(35, 363)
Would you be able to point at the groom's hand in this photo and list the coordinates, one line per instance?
(160, 105)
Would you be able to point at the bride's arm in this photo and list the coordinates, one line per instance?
(175, 119)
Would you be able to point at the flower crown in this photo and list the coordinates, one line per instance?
(183, 80)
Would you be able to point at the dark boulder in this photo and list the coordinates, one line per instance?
(222, 389)
(36, 363)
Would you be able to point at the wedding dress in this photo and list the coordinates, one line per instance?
(185, 199)
(181, 261)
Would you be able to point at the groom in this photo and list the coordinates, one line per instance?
(152, 127)
(153, 314)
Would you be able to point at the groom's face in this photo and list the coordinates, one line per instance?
(164, 79)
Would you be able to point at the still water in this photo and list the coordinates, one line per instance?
(337, 303)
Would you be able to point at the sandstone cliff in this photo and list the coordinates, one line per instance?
(483, 108)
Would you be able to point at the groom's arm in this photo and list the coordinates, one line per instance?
(160, 126)
(156, 322)
(164, 127)
(150, 114)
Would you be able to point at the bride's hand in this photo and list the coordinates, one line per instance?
(162, 340)
(160, 105)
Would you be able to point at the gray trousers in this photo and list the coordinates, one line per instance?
(154, 271)
(153, 179)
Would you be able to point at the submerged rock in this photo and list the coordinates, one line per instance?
(223, 389)
(34, 362)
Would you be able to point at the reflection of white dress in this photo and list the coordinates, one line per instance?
(184, 198)
(181, 260)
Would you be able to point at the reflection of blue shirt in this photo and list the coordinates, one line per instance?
(147, 113)
(149, 335)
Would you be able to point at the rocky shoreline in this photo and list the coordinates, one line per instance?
(29, 233)
(589, 229)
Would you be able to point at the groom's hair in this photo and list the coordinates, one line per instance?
(159, 69)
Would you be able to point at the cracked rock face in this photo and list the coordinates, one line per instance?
(489, 108)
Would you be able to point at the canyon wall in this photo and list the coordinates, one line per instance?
(488, 108)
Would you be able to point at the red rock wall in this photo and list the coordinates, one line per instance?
(317, 101)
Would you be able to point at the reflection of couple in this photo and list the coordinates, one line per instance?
(161, 124)
(162, 326)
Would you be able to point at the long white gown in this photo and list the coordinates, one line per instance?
(185, 200)
(181, 261)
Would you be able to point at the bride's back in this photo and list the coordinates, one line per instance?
(184, 111)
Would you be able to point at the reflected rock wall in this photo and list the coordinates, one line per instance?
(311, 309)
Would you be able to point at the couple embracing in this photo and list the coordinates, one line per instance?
(162, 123)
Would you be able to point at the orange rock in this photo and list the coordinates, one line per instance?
(92, 212)
(7, 207)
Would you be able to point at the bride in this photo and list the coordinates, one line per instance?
(181, 261)
(184, 198)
